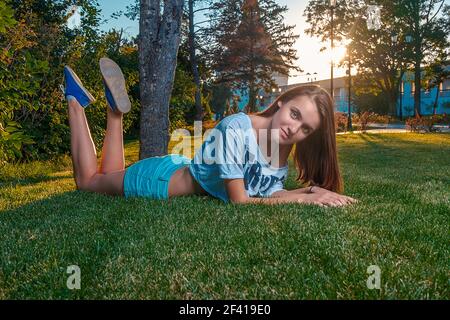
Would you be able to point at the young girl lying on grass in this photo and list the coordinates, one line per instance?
(231, 164)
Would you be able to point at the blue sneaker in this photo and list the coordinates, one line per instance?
(115, 89)
(75, 88)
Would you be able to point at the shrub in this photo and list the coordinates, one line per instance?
(381, 118)
(12, 140)
(442, 118)
(413, 123)
(341, 121)
(364, 118)
(425, 123)
(177, 117)
(34, 50)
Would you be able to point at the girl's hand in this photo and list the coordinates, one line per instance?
(324, 197)
(317, 189)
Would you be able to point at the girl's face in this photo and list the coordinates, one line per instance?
(296, 120)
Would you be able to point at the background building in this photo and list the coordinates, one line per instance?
(405, 101)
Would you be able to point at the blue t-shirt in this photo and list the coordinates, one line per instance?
(231, 151)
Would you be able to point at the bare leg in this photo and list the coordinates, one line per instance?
(84, 157)
(112, 151)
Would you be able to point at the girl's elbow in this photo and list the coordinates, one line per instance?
(239, 200)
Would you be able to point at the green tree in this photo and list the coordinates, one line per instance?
(6, 17)
(35, 46)
(377, 57)
(435, 73)
(372, 52)
(430, 34)
(193, 57)
(249, 43)
(15, 61)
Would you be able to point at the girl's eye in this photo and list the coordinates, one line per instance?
(294, 113)
(306, 131)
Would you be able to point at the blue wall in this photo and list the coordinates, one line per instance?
(341, 100)
(427, 101)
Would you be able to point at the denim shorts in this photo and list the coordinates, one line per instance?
(150, 177)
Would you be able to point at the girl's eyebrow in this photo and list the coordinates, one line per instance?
(307, 126)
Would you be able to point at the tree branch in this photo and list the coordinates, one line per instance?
(429, 10)
(197, 23)
(434, 16)
(202, 9)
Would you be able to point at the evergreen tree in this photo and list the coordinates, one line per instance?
(249, 42)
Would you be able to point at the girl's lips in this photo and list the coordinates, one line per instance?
(284, 135)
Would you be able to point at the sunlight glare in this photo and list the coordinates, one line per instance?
(339, 54)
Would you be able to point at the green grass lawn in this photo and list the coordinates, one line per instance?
(199, 248)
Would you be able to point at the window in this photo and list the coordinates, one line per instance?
(426, 88)
(445, 85)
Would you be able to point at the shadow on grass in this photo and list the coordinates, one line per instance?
(405, 140)
(44, 237)
(108, 237)
(33, 180)
(394, 169)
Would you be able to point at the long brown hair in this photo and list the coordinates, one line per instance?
(316, 156)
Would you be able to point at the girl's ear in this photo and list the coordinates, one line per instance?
(280, 104)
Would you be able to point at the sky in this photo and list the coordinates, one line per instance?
(310, 59)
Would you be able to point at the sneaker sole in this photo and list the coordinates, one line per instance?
(80, 84)
(115, 81)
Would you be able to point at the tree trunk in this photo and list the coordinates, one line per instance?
(392, 105)
(437, 98)
(193, 57)
(159, 39)
(251, 98)
(391, 93)
(417, 58)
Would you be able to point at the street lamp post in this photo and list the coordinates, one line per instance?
(332, 6)
(349, 120)
(394, 39)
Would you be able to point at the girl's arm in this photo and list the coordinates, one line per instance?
(237, 194)
(284, 193)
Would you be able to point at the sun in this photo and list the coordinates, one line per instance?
(339, 54)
